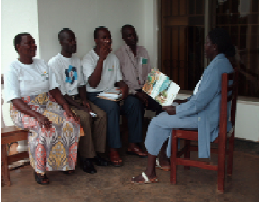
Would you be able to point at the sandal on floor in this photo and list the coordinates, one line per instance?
(41, 179)
(115, 159)
(164, 168)
(138, 152)
(146, 180)
(68, 172)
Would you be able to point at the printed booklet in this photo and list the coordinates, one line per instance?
(161, 88)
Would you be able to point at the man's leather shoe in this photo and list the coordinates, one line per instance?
(88, 166)
(138, 152)
(100, 161)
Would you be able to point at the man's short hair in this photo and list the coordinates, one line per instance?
(97, 30)
(18, 39)
(61, 33)
(126, 27)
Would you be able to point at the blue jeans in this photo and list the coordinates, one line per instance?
(132, 108)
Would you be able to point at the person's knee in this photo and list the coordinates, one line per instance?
(101, 113)
(113, 107)
(84, 116)
(154, 121)
(133, 102)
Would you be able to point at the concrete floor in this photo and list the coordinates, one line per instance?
(112, 184)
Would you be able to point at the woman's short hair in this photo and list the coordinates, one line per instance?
(221, 38)
(18, 39)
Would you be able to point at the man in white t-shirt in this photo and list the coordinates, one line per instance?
(101, 71)
(68, 78)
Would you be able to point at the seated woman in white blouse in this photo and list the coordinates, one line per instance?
(54, 132)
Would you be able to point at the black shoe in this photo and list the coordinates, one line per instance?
(88, 166)
(100, 161)
(41, 179)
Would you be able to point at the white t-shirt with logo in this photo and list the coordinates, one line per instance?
(22, 80)
(65, 74)
(111, 72)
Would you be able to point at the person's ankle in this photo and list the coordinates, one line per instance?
(150, 174)
(113, 149)
(163, 157)
(131, 145)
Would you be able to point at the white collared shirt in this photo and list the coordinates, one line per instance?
(110, 73)
(22, 80)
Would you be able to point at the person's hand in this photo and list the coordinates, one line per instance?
(171, 110)
(105, 49)
(124, 91)
(70, 114)
(43, 121)
(143, 97)
(86, 106)
(180, 101)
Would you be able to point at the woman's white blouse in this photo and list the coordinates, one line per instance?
(25, 80)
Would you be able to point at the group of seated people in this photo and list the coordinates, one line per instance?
(54, 100)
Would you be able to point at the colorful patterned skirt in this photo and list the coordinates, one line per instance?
(54, 149)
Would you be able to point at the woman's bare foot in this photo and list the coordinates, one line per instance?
(140, 178)
(164, 162)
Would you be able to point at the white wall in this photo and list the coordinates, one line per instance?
(83, 16)
(16, 16)
(247, 119)
(151, 31)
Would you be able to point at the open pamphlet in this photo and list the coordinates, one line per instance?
(112, 94)
(161, 88)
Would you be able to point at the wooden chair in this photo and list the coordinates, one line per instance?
(221, 139)
(8, 135)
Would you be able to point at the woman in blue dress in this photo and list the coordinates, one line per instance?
(200, 111)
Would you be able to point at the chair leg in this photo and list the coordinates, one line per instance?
(187, 153)
(174, 150)
(230, 155)
(221, 165)
(5, 170)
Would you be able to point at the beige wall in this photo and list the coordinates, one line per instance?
(16, 16)
(151, 30)
(83, 16)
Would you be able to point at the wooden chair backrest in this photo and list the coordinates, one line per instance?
(228, 94)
